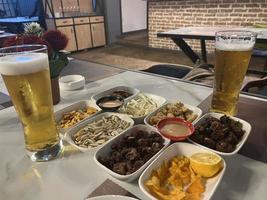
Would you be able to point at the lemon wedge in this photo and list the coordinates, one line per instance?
(206, 164)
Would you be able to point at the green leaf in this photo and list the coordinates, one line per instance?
(59, 61)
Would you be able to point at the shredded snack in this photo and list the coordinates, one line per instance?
(175, 180)
(71, 118)
(98, 132)
(173, 110)
(139, 106)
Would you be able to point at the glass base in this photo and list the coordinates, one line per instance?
(46, 155)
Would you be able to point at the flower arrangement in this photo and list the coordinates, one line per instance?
(53, 39)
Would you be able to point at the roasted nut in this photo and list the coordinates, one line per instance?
(71, 118)
(173, 110)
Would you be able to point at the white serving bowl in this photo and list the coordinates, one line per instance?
(75, 106)
(157, 99)
(107, 92)
(111, 197)
(70, 132)
(195, 110)
(246, 128)
(105, 150)
(71, 82)
(180, 149)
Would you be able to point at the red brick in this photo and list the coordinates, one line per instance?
(172, 14)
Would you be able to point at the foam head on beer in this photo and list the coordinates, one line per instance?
(23, 63)
(234, 45)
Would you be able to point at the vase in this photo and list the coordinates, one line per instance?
(55, 90)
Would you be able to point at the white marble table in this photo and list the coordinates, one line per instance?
(75, 175)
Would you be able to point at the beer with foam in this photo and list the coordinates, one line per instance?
(27, 78)
(232, 55)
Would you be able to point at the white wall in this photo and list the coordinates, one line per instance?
(134, 15)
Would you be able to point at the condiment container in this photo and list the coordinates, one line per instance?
(110, 103)
(176, 129)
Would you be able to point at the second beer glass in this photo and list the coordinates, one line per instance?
(233, 51)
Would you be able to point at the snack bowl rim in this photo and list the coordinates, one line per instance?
(163, 156)
(75, 106)
(70, 132)
(106, 148)
(175, 120)
(246, 127)
(108, 91)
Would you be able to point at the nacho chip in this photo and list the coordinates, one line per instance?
(175, 180)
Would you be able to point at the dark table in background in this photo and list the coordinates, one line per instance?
(206, 33)
(15, 24)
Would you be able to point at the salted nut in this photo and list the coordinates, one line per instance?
(71, 118)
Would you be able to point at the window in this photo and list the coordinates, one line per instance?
(7, 8)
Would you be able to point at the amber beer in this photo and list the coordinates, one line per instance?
(232, 55)
(27, 79)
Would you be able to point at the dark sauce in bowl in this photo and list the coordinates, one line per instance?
(110, 103)
(121, 93)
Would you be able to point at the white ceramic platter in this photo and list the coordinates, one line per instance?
(111, 197)
(105, 150)
(76, 128)
(176, 149)
(246, 128)
(75, 106)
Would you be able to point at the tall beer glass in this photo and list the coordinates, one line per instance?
(25, 71)
(232, 55)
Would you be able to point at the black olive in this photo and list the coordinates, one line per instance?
(224, 147)
(225, 120)
(209, 143)
(138, 164)
(232, 139)
(217, 135)
(215, 125)
(201, 129)
(197, 138)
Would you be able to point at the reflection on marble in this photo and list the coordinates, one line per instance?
(75, 174)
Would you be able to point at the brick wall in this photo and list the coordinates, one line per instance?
(169, 14)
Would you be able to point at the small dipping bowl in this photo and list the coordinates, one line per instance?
(176, 129)
(71, 82)
(110, 103)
